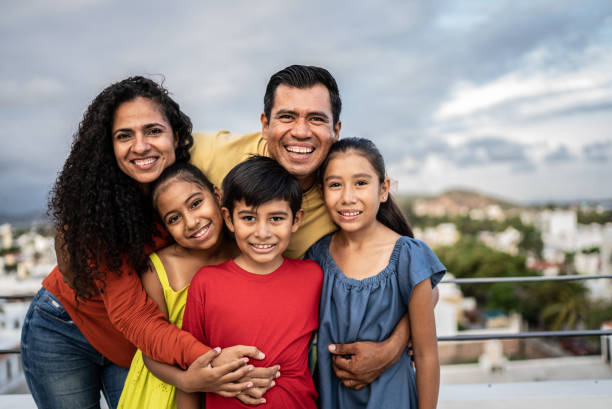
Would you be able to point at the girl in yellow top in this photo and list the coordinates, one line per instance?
(189, 206)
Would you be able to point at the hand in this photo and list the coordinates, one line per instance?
(231, 354)
(223, 379)
(368, 360)
(263, 380)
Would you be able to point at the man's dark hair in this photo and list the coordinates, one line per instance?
(303, 76)
(259, 180)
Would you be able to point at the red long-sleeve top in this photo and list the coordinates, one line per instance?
(122, 318)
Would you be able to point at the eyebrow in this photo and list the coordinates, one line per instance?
(186, 201)
(357, 175)
(291, 112)
(147, 126)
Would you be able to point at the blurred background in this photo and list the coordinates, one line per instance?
(494, 119)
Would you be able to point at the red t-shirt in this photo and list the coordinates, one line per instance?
(276, 312)
(122, 318)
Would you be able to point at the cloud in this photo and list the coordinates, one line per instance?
(559, 155)
(37, 90)
(598, 151)
(489, 150)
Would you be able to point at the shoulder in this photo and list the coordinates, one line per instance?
(320, 249)
(416, 259)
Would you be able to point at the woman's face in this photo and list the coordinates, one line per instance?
(143, 140)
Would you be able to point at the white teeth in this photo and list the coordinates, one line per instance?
(350, 214)
(299, 149)
(263, 246)
(200, 232)
(144, 162)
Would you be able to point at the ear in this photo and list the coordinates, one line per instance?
(337, 129)
(297, 220)
(217, 195)
(265, 125)
(385, 186)
(228, 219)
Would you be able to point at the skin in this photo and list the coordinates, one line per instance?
(262, 234)
(362, 247)
(300, 130)
(301, 119)
(192, 215)
(143, 140)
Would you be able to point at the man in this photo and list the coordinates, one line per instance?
(300, 122)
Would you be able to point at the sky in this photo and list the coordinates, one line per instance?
(509, 98)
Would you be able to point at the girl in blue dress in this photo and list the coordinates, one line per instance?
(375, 271)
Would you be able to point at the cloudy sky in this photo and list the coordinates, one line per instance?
(512, 98)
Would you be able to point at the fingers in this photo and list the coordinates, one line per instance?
(353, 384)
(233, 389)
(206, 359)
(250, 351)
(246, 399)
(342, 349)
(234, 374)
(256, 393)
(266, 373)
(342, 363)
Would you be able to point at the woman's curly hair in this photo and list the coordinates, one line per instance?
(104, 216)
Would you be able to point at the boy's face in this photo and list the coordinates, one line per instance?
(262, 233)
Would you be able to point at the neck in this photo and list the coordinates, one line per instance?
(258, 268)
(359, 238)
(306, 182)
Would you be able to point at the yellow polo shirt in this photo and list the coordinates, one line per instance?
(217, 153)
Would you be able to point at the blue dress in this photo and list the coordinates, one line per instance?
(368, 310)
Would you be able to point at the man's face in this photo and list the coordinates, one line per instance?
(300, 130)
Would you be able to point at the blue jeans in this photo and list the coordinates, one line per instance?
(62, 369)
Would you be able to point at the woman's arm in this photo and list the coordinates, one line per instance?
(226, 380)
(425, 345)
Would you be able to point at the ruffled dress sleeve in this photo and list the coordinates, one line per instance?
(416, 262)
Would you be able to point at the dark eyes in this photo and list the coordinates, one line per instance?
(196, 203)
(172, 220)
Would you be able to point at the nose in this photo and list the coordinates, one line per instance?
(262, 230)
(301, 129)
(191, 222)
(348, 196)
(141, 144)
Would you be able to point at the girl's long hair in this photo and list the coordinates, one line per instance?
(389, 212)
(103, 216)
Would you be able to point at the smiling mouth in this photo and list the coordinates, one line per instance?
(350, 213)
(300, 150)
(144, 163)
(262, 248)
(201, 233)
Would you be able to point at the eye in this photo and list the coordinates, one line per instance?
(277, 219)
(170, 220)
(155, 131)
(122, 136)
(285, 117)
(319, 119)
(333, 185)
(248, 218)
(361, 183)
(196, 203)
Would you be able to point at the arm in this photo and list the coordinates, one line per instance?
(200, 376)
(425, 345)
(370, 359)
(188, 400)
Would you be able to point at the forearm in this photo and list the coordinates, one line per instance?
(427, 380)
(170, 374)
(188, 400)
(400, 337)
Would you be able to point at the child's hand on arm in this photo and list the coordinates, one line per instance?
(262, 379)
(225, 380)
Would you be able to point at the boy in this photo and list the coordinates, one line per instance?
(259, 298)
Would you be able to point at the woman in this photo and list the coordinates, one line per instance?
(84, 325)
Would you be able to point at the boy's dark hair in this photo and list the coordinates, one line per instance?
(259, 180)
(184, 171)
(303, 76)
(389, 212)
